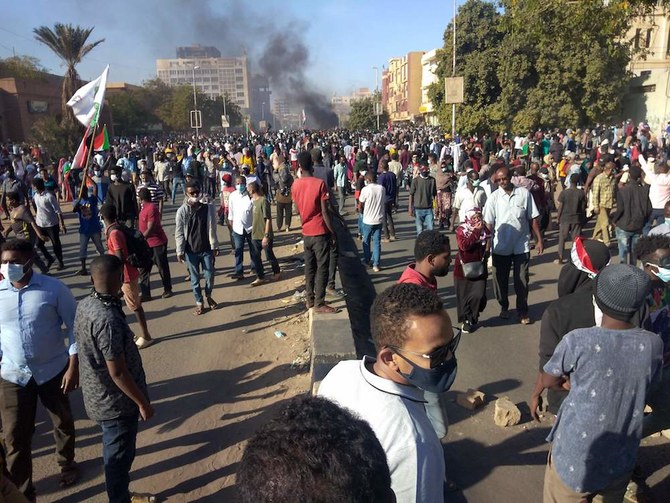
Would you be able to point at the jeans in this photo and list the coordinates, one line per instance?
(54, 237)
(342, 192)
(118, 453)
(239, 240)
(423, 218)
(317, 258)
(657, 217)
(178, 182)
(18, 406)
(193, 262)
(160, 260)
(374, 232)
(269, 254)
(501, 269)
(83, 244)
(627, 241)
(388, 220)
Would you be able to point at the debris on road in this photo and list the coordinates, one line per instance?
(506, 413)
(471, 399)
(279, 334)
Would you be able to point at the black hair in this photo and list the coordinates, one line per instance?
(144, 194)
(193, 184)
(13, 195)
(646, 246)
(108, 212)
(106, 264)
(574, 179)
(18, 245)
(371, 175)
(635, 172)
(39, 184)
(314, 451)
(392, 308)
(305, 161)
(429, 243)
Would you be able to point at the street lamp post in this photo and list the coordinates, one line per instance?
(195, 100)
(263, 111)
(453, 74)
(223, 98)
(376, 69)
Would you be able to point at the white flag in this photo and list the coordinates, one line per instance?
(87, 101)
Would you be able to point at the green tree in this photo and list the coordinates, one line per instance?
(212, 110)
(362, 115)
(22, 67)
(70, 44)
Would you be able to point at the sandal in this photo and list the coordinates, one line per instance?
(199, 309)
(68, 475)
(212, 303)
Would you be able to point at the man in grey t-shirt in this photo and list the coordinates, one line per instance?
(111, 373)
(609, 368)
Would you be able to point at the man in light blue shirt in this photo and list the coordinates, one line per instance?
(35, 362)
(509, 212)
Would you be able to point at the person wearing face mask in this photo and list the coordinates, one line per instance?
(12, 184)
(472, 195)
(35, 362)
(415, 345)
(112, 376)
(89, 228)
(121, 195)
(24, 226)
(422, 194)
(510, 213)
(197, 243)
(101, 183)
(473, 239)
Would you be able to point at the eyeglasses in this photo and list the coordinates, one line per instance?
(440, 355)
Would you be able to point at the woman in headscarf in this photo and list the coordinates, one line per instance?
(588, 257)
(472, 238)
(575, 308)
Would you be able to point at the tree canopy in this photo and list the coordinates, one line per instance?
(362, 115)
(537, 64)
(22, 67)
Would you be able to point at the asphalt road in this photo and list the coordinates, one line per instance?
(214, 379)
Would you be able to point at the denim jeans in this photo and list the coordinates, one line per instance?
(374, 232)
(626, 241)
(118, 453)
(178, 182)
(423, 218)
(239, 240)
(83, 244)
(656, 217)
(193, 262)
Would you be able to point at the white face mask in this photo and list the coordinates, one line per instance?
(13, 272)
(114, 178)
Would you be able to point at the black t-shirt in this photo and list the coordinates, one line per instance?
(573, 206)
(198, 238)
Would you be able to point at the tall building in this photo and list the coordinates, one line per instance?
(428, 78)
(342, 104)
(260, 100)
(404, 87)
(284, 113)
(214, 77)
(649, 94)
(197, 51)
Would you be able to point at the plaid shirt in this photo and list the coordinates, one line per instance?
(603, 191)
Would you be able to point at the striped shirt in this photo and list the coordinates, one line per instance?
(156, 191)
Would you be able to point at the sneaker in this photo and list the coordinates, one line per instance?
(167, 294)
(143, 343)
(386, 240)
(238, 277)
(375, 268)
(60, 266)
(524, 320)
(466, 328)
(335, 292)
(392, 238)
(50, 263)
(259, 281)
(142, 498)
(504, 314)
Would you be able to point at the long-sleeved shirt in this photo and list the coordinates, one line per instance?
(659, 184)
(603, 191)
(182, 227)
(240, 212)
(31, 340)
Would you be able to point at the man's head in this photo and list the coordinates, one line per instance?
(432, 248)
(317, 156)
(241, 183)
(504, 178)
(371, 176)
(108, 213)
(107, 275)
(574, 180)
(314, 451)
(144, 195)
(305, 162)
(654, 253)
(473, 179)
(145, 176)
(16, 260)
(384, 164)
(534, 168)
(192, 192)
(609, 168)
(616, 302)
(432, 158)
(635, 172)
(413, 336)
(254, 188)
(38, 183)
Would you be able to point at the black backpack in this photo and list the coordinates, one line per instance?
(139, 251)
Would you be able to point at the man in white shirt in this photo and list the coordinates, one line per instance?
(509, 212)
(468, 197)
(416, 347)
(240, 215)
(373, 197)
(658, 179)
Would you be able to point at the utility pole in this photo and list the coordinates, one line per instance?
(195, 100)
(376, 69)
(453, 74)
(223, 98)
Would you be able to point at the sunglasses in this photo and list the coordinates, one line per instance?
(440, 355)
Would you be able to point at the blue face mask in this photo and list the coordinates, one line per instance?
(662, 273)
(667, 221)
(435, 380)
(241, 188)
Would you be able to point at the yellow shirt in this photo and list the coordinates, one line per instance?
(249, 161)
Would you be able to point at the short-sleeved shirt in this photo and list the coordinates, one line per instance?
(149, 213)
(373, 196)
(598, 428)
(116, 241)
(465, 200)
(308, 192)
(155, 191)
(510, 215)
(48, 209)
(102, 334)
(411, 275)
(573, 206)
(261, 213)
(89, 223)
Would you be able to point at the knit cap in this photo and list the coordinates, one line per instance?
(621, 290)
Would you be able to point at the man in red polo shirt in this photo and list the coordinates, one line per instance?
(433, 256)
(311, 198)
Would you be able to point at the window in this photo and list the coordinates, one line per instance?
(636, 40)
(643, 89)
(647, 42)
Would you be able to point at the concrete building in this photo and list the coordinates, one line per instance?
(214, 77)
(428, 78)
(342, 104)
(404, 87)
(284, 113)
(649, 95)
(197, 51)
(260, 94)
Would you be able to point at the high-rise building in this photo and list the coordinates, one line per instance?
(260, 100)
(342, 104)
(197, 51)
(214, 77)
(404, 87)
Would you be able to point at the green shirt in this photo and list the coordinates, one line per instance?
(260, 213)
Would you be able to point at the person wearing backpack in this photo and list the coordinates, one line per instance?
(118, 244)
(150, 226)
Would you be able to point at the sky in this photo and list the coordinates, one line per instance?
(344, 38)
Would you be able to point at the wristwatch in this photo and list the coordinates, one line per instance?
(267, 234)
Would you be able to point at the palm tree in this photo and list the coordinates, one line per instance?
(68, 42)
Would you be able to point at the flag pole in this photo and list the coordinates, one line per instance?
(88, 158)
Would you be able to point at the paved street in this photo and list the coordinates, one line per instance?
(215, 378)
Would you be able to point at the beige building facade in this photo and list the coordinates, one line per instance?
(402, 82)
(428, 78)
